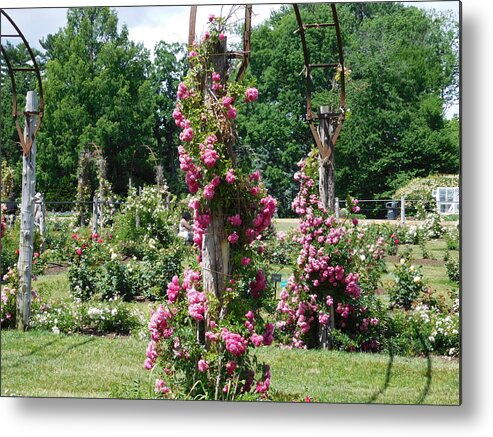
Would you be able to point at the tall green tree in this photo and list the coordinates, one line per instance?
(404, 65)
(167, 70)
(97, 90)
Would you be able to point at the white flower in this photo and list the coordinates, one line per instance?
(431, 338)
(114, 256)
(55, 330)
(94, 313)
(417, 279)
(362, 257)
(402, 261)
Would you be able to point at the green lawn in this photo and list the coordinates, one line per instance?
(49, 365)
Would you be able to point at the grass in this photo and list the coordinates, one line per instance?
(43, 364)
(52, 287)
(285, 224)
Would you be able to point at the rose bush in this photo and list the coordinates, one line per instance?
(200, 339)
(338, 269)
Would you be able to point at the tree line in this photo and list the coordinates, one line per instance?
(102, 88)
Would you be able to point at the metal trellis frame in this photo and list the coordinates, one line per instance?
(335, 119)
(26, 144)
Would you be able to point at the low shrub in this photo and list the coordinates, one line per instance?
(9, 290)
(423, 330)
(453, 269)
(408, 285)
(146, 221)
(281, 249)
(451, 237)
(92, 317)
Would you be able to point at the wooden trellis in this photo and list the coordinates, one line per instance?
(32, 116)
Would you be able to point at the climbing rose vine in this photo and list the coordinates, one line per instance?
(334, 281)
(200, 343)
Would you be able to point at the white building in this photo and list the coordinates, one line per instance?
(447, 199)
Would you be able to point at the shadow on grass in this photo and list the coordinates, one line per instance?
(388, 374)
(35, 350)
(45, 346)
(429, 372)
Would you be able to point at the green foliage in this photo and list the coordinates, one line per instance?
(149, 277)
(281, 249)
(10, 246)
(96, 91)
(404, 67)
(146, 223)
(6, 181)
(424, 330)
(408, 285)
(451, 237)
(453, 269)
(92, 317)
(421, 188)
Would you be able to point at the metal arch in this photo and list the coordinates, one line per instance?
(336, 119)
(244, 55)
(26, 144)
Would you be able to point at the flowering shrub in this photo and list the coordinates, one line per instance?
(425, 329)
(97, 270)
(408, 284)
(87, 317)
(145, 223)
(10, 285)
(451, 236)
(432, 225)
(9, 289)
(89, 252)
(201, 337)
(336, 275)
(453, 269)
(281, 248)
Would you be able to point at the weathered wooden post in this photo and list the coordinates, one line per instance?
(215, 248)
(26, 238)
(403, 211)
(40, 219)
(326, 188)
(326, 161)
(95, 214)
(137, 216)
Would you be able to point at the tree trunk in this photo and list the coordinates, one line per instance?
(326, 188)
(26, 238)
(326, 161)
(215, 247)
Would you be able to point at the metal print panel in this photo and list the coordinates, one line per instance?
(232, 202)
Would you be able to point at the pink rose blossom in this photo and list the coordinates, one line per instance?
(203, 366)
(230, 367)
(230, 176)
(235, 220)
(251, 94)
(245, 261)
(232, 112)
(233, 238)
